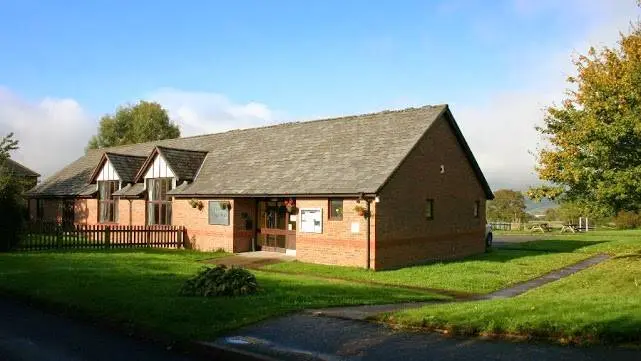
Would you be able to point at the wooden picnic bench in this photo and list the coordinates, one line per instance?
(542, 227)
(570, 228)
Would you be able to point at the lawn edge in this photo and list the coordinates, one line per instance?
(169, 344)
(534, 337)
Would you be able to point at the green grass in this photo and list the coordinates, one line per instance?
(138, 290)
(477, 274)
(600, 304)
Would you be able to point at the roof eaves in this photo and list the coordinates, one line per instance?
(470, 156)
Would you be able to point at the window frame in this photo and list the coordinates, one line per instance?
(110, 201)
(162, 207)
(40, 209)
(330, 216)
(429, 209)
(477, 209)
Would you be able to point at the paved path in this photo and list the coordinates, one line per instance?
(27, 334)
(342, 335)
(305, 337)
(365, 312)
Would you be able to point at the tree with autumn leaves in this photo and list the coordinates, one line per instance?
(593, 152)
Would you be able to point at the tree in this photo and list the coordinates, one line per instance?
(552, 214)
(593, 157)
(143, 122)
(508, 205)
(11, 201)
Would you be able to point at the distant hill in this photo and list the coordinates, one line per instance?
(533, 207)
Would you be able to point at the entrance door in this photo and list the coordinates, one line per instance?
(276, 230)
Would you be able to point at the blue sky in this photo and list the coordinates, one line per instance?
(219, 65)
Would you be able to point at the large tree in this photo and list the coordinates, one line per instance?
(593, 152)
(508, 205)
(142, 122)
(11, 201)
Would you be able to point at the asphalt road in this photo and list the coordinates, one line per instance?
(28, 334)
(307, 337)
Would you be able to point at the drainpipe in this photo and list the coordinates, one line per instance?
(130, 208)
(369, 216)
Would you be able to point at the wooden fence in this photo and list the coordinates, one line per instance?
(49, 235)
(501, 226)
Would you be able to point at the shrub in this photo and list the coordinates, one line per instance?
(220, 281)
(627, 220)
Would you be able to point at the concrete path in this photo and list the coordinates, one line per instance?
(28, 334)
(305, 337)
(365, 312)
(342, 335)
(252, 259)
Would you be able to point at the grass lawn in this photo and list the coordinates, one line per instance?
(477, 274)
(138, 290)
(600, 304)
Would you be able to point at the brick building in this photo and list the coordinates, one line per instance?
(379, 190)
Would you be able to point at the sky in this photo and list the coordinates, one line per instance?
(220, 65)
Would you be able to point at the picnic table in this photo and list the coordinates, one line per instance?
(570, 228)
(542, 227)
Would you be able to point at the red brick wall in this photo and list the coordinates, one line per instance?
(201, 234)
(336, 245)
(404, 235)
(51, 209)
(86, 211)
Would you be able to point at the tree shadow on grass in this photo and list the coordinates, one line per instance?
(550, 245)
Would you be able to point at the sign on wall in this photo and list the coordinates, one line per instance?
(311, 220)
(218, 214)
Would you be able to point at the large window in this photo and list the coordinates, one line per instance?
(158, 202)
(107, 204)
(335, 209)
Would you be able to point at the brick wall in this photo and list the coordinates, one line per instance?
(86, 211)
(200, 233)
(337, 244)
(51, 209)
(404, 235)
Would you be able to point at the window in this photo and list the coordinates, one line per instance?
(40, 209)
(477, 207)
(107, 204)
(158, 202)
(219, 213)
(429, 209)
(335, 209)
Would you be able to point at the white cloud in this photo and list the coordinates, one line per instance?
(201, 112)
(499, 125)
(52, 132)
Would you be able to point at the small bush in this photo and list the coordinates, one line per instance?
(220, 281)
(627, 220)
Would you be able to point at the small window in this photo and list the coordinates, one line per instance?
(219, 213)
(40, 209)
(429, 209)
(477, 207)
(335, 209)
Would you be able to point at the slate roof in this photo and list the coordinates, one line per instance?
(342, 156)
(130, 190)
(126, 166)
(20, 170)
(184, 163)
